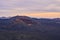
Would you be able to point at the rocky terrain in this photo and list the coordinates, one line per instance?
(27, 28)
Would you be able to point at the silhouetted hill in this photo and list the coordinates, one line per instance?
(27, 28)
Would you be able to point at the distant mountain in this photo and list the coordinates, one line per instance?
(26, 25)
(25, 19)
(33, 23)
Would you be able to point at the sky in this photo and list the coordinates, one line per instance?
(35, 8)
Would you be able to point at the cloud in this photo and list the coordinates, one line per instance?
(30, 5)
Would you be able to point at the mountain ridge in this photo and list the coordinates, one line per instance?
(27, 28)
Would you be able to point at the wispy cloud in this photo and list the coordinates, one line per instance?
(31, 4)
(12, 6)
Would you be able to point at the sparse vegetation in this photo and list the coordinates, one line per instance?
(17, 28)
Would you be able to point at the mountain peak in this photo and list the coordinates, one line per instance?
(19, 17)
(24, 19)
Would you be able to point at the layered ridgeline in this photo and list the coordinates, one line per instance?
(27, 28)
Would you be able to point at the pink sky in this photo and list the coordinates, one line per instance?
(49, 8)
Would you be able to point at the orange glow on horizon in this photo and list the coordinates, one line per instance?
(43, 14)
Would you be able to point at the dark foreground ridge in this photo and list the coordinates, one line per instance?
(26, 28)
